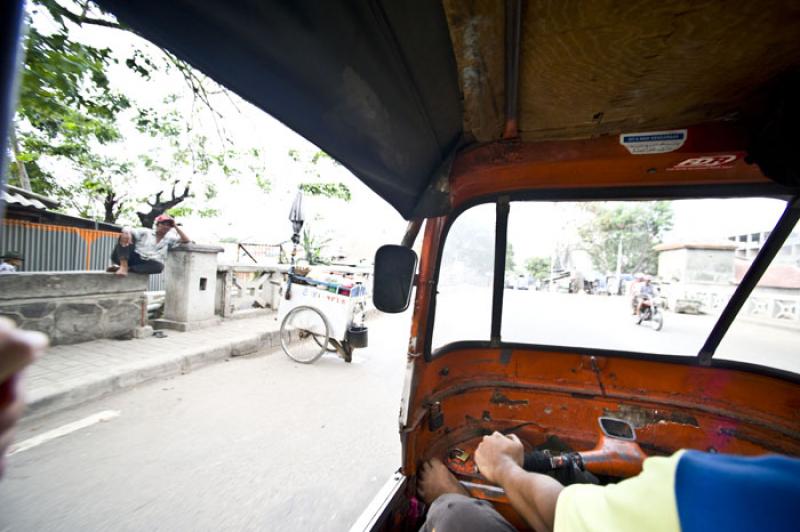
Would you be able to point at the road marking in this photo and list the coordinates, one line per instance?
(105, 415)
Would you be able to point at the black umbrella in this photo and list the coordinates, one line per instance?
(297, 216)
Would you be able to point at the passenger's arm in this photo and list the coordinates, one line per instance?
(533, 496)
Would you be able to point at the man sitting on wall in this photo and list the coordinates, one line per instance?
(144, 250)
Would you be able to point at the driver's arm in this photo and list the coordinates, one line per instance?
(533, 495)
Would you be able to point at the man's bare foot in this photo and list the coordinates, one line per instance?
(112, 268)
(122, 272)
(434, 479)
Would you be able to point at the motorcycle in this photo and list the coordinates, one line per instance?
(650, 313)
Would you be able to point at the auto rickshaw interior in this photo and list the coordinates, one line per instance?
(446, 108)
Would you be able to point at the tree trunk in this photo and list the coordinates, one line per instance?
(109, 203)
(159, 207)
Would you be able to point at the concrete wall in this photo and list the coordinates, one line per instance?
(191, 291)
(73, 307)
(709, 266)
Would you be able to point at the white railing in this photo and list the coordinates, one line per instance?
(247, 286)
(242, 287)
(776, 306)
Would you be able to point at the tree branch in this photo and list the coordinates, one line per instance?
(83, 19)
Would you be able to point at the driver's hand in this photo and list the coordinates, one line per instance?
(496, 454)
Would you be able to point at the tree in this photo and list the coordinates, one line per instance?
(639, 226)
(313, 168)
(69, 114)
(65, 107)
(538, 267)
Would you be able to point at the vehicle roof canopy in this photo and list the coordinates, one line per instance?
(395, 90)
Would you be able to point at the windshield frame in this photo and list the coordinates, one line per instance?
(715, 336)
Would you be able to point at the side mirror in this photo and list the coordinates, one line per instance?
(394, 277)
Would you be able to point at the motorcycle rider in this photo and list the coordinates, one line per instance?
(636, 285)
(646, 290)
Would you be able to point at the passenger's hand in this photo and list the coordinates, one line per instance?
(125, 239)
(17, 350)
(496, 454)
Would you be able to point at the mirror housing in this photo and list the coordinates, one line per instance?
(395, 267)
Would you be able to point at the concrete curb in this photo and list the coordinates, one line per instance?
(58, 398)
(64, 395)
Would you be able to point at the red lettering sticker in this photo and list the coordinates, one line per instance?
(708, 162)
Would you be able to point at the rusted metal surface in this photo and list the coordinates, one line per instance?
(509, 166)
(513, 15)
(558, 394)
(672, 406)
(641, 417)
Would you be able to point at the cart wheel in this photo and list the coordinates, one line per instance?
(304, 334)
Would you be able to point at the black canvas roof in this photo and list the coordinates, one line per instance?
(373, 83)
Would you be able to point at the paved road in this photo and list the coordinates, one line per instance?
(582, 320)
(256, 443)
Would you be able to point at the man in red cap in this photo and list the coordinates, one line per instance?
(143, 250)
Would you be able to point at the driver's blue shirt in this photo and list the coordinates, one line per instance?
(689, 491)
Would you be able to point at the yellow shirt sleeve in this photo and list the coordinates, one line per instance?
(644, 502)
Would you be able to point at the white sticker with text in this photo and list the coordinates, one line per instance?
(653, 141)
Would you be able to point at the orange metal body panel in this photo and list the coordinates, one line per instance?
(508, 166)
(540, 393)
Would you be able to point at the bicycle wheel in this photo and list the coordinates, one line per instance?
(304, 334)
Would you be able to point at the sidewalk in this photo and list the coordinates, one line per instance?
(68, 375)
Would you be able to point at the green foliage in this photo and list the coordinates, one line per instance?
(640, 227)
(69, 112)
(327, 190)
(538, 267)
(257, 170)
(322, 156)
(180, 212)
(65, 104)
(313, 168)
(313, 246)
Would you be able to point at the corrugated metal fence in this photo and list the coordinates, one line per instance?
(48, 247)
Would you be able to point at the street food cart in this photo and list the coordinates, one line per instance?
(319, 316)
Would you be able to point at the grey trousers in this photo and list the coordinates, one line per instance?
(454, 511)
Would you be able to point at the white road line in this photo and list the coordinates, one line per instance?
(63, 430)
